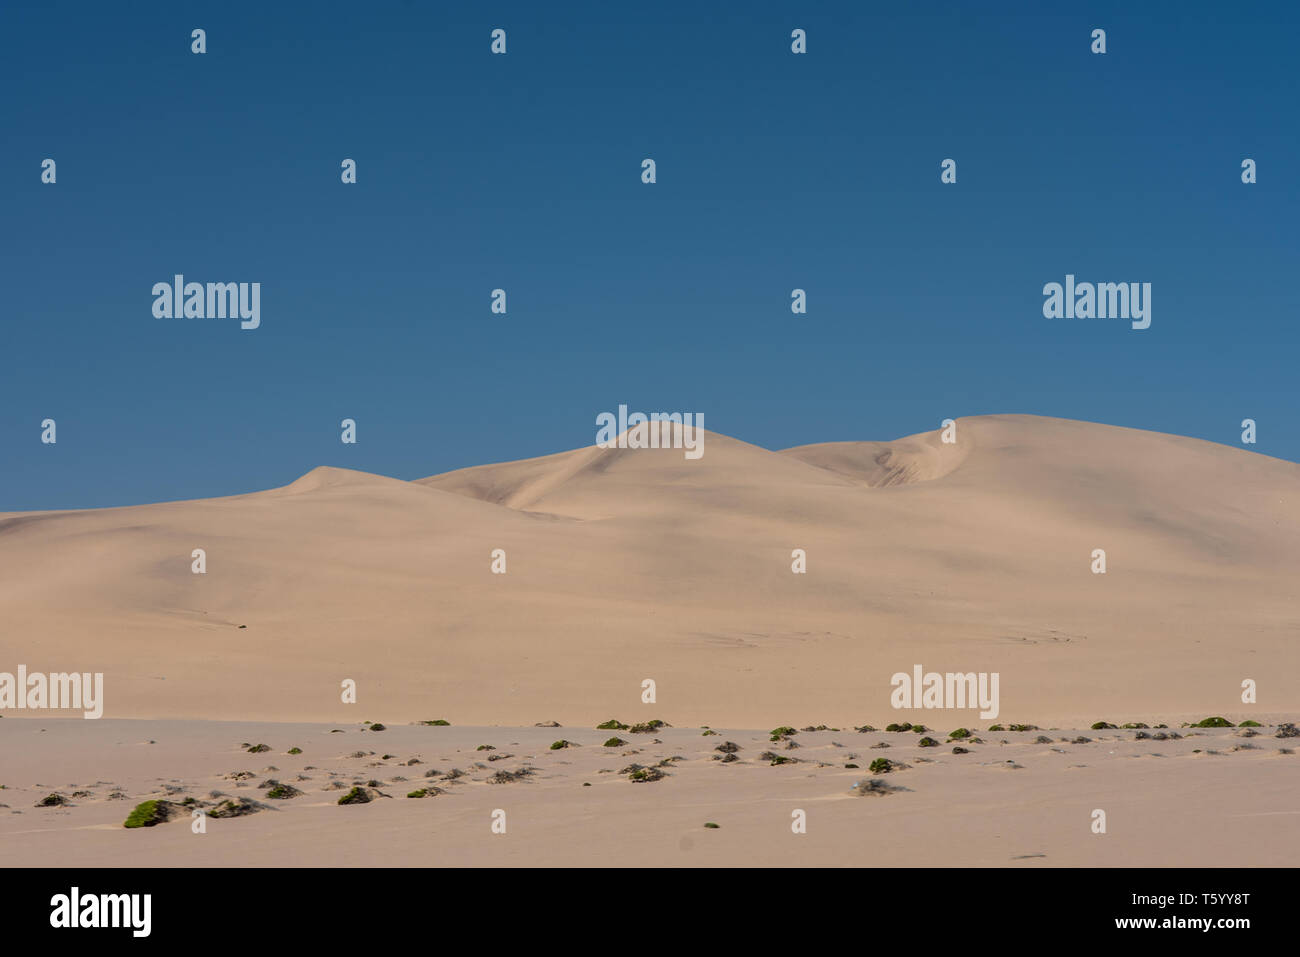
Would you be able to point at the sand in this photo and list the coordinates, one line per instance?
(1008, 802)
(624, 565)
(628, 565)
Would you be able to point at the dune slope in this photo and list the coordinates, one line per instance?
(628, 564)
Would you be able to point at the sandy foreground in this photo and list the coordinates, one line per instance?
(1212, 797)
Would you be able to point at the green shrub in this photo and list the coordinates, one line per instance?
(927, 743)
(1215, 722)
(147, 814)
(295, 750)
(615, 743)
(959, 733)
(436, 723)
(613, 724)
(881, 766)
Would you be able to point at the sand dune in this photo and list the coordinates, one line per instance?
(626, 564)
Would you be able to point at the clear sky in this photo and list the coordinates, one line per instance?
(775, 171)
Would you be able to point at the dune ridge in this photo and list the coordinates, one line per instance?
(626, 564)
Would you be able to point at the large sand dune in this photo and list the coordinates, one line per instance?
(631, 564)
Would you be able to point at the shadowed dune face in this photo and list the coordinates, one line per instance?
(919, 458)
(625, 564)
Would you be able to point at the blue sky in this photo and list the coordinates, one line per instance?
(522, 171)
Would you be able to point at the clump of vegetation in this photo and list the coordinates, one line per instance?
(707, 732)
(1082, 740)
(647, 727)
(419, 793)
(820, 727)
(960, 750)
(1248, 723)
(485, 747)
(775, 758)
(1022, 727)
(562, 743)
(726, 758)
(996, 727)
(851, 765)
(1215, 722)
(378, 727)
(151, 813)
(436, 723)
(1133, 725)
(1103, 726)
(927, 743)
(509, 777)
(258, 748)
(613, 724)
(235, 807)
(283, 792)
(711, 825)
(864, 729)
(920, 728)
(959, 734)
(881, 766)
(52, 800)
(1141, 736)
(898, 727)
(357, 796)
(614, 743)
(643, 775)
(1287, 730)
(783, 732)
(875, 787)
(1042, 739)
(295, 751)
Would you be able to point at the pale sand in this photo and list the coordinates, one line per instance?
(634, 564)
(1165, 804)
